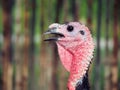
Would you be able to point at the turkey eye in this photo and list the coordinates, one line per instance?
(70, 28)
(82, 32)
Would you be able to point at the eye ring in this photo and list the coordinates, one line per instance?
(70, 28)
(82, 32)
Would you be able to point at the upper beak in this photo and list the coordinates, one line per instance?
(54, 32)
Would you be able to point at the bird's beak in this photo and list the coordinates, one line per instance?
(56, 35)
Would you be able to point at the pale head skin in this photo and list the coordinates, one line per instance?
(75, 50)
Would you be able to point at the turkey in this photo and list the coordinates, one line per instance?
(75, 47)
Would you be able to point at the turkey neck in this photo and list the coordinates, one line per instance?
(82, 56)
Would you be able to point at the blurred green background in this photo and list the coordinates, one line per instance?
(29, 63)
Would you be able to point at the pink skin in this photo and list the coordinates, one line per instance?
(75, 50)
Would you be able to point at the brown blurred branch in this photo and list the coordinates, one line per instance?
(7, 48)
(89, 13)
(75, 10)
(26, 47)
(114, 66)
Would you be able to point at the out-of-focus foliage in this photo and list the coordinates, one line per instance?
(32, 65)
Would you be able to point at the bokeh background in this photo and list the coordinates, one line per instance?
(29, 63)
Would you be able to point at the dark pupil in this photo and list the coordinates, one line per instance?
(70, 28)
(82, 32)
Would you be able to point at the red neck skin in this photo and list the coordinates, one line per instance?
(79, 65)
(80, 58)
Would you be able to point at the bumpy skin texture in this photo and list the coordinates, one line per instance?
(75, 50)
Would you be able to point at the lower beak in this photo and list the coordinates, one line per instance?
(56, 34)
